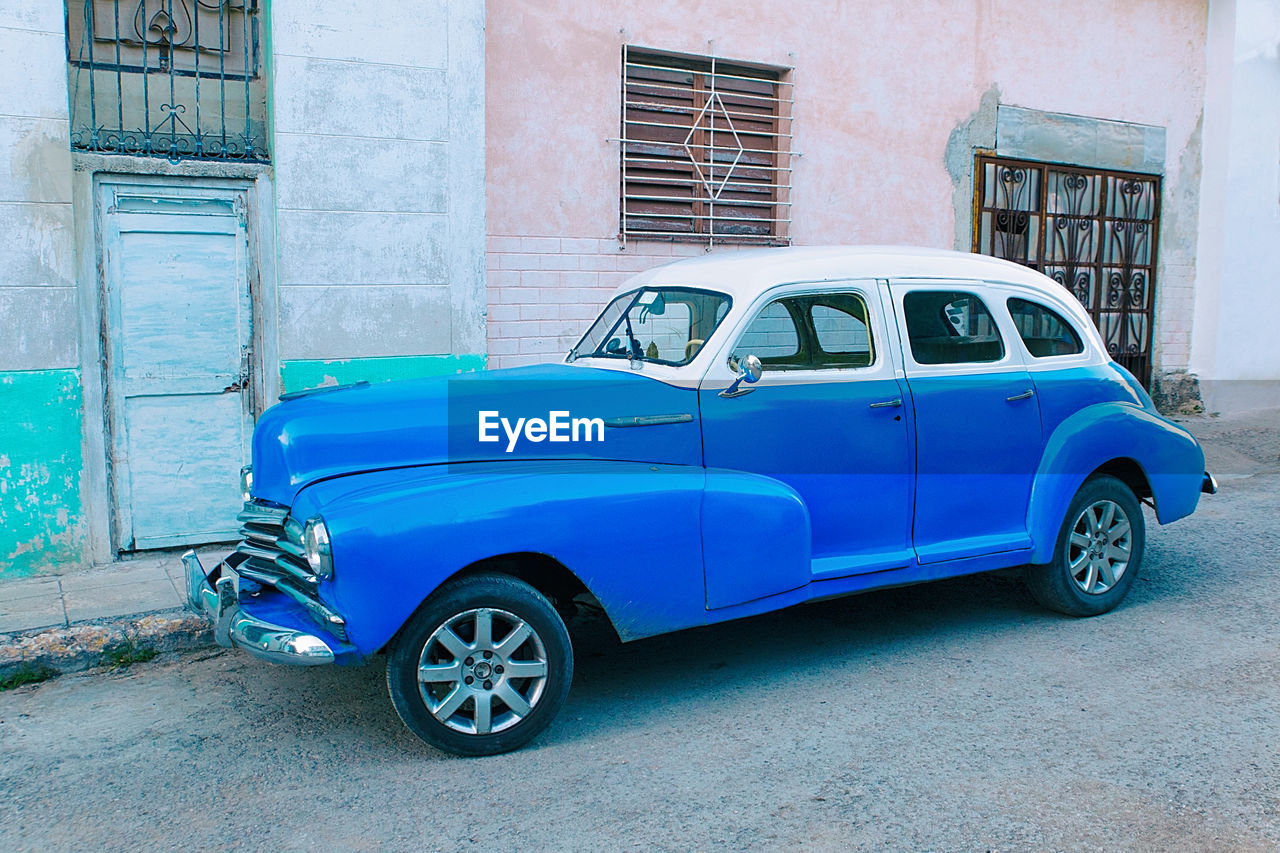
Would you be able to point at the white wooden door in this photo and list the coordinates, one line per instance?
(179, 326)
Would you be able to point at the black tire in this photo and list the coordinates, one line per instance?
(509, 602)
(1056, 586)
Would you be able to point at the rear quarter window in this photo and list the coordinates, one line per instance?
(1044, 331)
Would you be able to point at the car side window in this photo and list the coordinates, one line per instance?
(771, 337)
(810, 332)
(951, 327)
(840, 330)
(1043, 330)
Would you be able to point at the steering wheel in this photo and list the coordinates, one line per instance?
(691, 348)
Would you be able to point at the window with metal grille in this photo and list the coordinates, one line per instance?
(167, 78)
(1093, 231)
(705, 149)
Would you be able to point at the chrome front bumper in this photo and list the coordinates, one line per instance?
(219, 601)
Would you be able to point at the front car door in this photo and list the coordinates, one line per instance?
(977, 419)
(826, 418)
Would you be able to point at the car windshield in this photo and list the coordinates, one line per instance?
(662, 325)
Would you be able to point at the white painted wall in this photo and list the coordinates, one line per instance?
(1236, 348)
(379, 163)
(37, 269)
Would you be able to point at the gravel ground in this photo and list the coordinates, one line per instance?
(952, 716)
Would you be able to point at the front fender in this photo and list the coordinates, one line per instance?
(1168, 455)
(628, 531)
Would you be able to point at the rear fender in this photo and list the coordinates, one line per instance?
(1170, 459)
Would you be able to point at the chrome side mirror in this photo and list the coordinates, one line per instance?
(749, 370)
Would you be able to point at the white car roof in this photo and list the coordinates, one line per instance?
(746, 273)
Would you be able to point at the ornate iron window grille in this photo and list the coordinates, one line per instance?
(705, 149)
(1093, 231)
(178, 79)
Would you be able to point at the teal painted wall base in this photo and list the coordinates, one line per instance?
(42, 525)
(302, 374)
(42, 521)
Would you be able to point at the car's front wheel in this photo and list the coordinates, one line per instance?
(482, 667)
(1098, 552)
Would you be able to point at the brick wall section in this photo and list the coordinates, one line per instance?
(544, 291)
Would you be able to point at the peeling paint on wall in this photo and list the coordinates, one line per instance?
(41, 519)
(978, 131)
(1099, 143)
(1175, 286)
(40, 159)
(301, 374)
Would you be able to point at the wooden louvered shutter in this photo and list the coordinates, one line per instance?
(705, 151)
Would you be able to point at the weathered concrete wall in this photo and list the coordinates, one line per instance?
(379, 163)
(887, 96)
(367, 233)
(41, 520)
(40, 430)
(298, 374)
(1236, 351)
(37, 274)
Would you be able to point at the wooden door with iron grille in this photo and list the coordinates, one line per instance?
(1093, 231)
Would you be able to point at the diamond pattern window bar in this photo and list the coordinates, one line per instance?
(705, 149)
(1093, 231)
(179, 79)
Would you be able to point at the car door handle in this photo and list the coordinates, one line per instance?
(887, 404)
(1025, 395)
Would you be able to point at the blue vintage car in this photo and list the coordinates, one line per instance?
(734, 434)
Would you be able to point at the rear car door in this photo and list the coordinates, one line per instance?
(977, 419)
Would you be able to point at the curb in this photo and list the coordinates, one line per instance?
(115, 642)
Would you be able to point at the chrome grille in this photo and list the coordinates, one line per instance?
(272, 548)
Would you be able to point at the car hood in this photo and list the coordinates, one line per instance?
(437, 420)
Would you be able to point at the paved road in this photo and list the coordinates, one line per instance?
(954, 716)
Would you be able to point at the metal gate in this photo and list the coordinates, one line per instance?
(179, 79)
(1093, 231)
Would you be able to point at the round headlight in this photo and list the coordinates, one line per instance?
(246, 483)
(315, 542)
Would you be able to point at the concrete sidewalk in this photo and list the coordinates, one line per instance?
(74, 621)
(128, 588)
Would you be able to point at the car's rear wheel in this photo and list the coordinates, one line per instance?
(482, 667)
(1098, 552)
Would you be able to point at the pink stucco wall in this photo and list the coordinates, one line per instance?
(879, 87)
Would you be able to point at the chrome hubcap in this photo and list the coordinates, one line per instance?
(1100, 547)
(482, 671)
